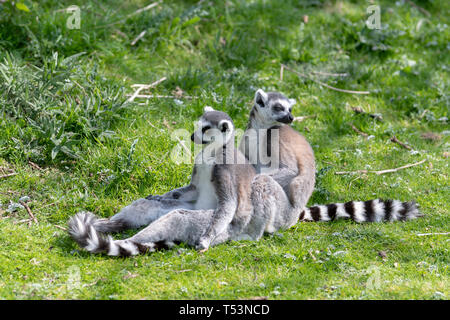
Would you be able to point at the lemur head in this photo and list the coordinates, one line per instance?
(272, 108)
(213, 127)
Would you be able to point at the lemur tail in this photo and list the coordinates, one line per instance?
(363, 211)
(82, 230)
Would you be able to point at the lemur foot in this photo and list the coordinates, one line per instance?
(202, 245)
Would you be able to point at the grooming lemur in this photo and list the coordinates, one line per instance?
(287, 181)
(220, 192)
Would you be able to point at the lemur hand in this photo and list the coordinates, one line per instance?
(202, 244)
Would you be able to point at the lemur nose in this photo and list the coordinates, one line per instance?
(291, 118)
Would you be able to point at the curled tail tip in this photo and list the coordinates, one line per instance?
(412, 210)
(78, 224)
(82, 230)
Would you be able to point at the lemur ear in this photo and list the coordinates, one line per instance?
(225, 126)
(208, 109)
(261, 98)
(292, 102)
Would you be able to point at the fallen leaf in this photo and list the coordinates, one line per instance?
(178, 92)
(431, 136)
(259, 298)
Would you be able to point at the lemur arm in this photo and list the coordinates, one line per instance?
(226, 208)
(283, 176)
(187, 193)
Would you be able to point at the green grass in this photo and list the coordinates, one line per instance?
(118, 152)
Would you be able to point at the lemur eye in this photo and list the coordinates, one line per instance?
(278, 108)
(290, 110)
(205, 128)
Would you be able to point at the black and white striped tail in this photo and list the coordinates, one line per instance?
(82, 230)
(363, 211)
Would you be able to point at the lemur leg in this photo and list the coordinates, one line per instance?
(300, 190)
(140, 213)
(271, 207)
(179, 225)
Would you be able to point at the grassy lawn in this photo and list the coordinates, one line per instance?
(76, 144)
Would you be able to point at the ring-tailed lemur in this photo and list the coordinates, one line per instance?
(223, 205)
(288, 183)
(143, 211)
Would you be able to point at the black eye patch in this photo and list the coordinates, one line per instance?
(205, 128)
(278, 108)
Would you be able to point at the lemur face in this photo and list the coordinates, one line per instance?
(274, 107)
(213, 127)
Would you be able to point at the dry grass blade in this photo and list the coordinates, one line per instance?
(139, 37)
(8, 175)
(381, 171)
(324, 84)
(404, 145)
(433, 234)
(300, 119)
(359, 131)
(29, 211)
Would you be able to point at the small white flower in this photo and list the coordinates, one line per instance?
(14, 207)
(24, 199)
(178, 102)
(290, 256)
(340, 253)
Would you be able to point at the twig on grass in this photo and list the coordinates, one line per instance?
(404, 145)
(359, 131)
(300, 119)
(59, 227)
(432, 234)
(22, 221)
(152, 5)
(139, 37)
(381, 171)
(151, 85)
(330, 74)
(322, 83)
(160, 96)
(141, 87)
(35, 166)
(181, 271)
(29, 211)
(425, 12)
(8, 175)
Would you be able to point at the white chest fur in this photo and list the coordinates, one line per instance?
(207, 198)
